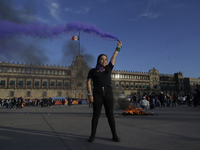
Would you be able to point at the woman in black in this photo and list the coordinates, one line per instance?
(102, 92)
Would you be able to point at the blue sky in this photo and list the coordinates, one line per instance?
(163, 34)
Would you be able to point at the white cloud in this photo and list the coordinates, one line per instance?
(55, 5)
(81, 10)
(54, 8)
(149, 15)
(41, 19)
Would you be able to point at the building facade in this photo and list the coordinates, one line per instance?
(39, 81)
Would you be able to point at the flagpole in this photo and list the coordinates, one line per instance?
(79, 44)
(168, 59)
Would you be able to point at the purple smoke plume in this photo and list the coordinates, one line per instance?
(9, 29)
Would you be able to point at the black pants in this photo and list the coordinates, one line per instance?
(103, 95)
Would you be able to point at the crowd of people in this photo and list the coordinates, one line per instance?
(145, 101)
(12, 103)
(166, 100)
(18, 103)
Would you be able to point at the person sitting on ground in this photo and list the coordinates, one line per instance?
(144, 104)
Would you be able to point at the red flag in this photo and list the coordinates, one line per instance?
(75, 38)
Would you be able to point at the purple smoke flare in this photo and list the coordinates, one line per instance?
(10, 29)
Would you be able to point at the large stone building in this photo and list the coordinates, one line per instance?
(39, 81)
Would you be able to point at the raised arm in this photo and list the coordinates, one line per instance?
(119, 45)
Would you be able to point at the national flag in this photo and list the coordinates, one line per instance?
(75, 38)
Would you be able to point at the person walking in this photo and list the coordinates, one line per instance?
(161, 98)
(102, 92)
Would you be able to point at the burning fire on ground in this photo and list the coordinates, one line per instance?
(130, 110)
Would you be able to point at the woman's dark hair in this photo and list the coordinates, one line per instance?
(99, 57)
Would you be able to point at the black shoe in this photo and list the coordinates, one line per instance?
(116, 138)
(91, 139)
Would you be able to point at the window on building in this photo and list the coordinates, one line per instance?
(80, 84)
(3, 82)
(10, 70)
(28, 83)
(117, 76)
(37, 83)
(5, 70)
(40, 72)
(23, 70)
(136, 86)
(56, 72)
(59, 93)
(155, 86)
(122, 85)
(48, 71)
(32, 71)
(19, 70)
(12, 82)
(28, 93)
(12, 93)
(66, 83)
(140, 86)
(14, 70)
(45, 71)
(44, 83)
(1, 69)
(60, 73)
(52, 72)
(148, 86)
(52, 83)
(59, 83)
(117, 85)
(131, 85)
(127, 85)
(36, 71)
(28, 70)
(20, 83)
(144, 86)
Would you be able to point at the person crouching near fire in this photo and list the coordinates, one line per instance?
(102, 92)
(144, 103)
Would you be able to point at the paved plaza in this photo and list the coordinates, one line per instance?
(64, 128)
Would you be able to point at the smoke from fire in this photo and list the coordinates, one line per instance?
(16, 25)
(71, 50)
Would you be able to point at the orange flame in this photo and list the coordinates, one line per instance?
(135, 111)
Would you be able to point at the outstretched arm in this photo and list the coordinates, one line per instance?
(116, 53)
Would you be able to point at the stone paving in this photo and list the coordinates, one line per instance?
(64, 128)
